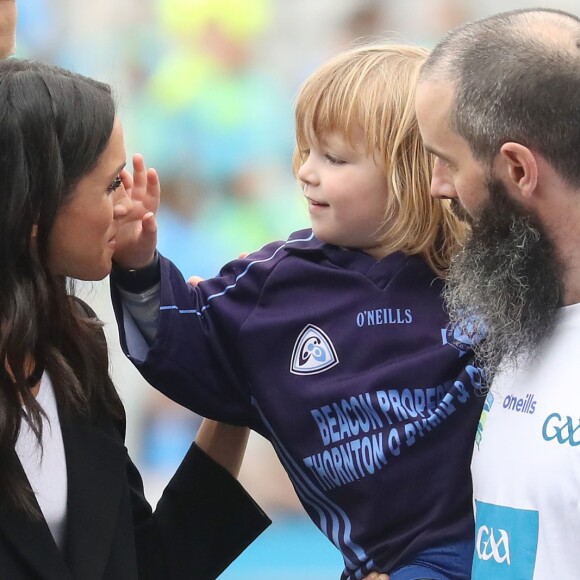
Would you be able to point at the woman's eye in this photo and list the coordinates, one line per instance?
(116, 184)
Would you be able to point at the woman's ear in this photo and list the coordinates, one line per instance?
(521, 167)
(34, 232)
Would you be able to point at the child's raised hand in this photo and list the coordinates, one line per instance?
(136, 238)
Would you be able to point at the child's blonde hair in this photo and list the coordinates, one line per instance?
(373, 88)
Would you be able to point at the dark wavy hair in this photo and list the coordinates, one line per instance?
(54, 126)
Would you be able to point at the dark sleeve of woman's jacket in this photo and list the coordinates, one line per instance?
(203, 521)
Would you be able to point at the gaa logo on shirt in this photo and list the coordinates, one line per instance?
(313, 352)
(506, 542)
(563, 429)
(463, 334)
(493, 544)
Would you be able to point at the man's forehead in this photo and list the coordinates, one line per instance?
(434, 97)
(432, 105)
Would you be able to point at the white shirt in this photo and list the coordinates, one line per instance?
(526, 466)
(46, 467)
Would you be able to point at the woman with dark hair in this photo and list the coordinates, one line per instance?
(71, 500)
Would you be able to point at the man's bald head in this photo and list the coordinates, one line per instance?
(516, 77)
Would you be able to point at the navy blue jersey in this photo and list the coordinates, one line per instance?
(348, 366)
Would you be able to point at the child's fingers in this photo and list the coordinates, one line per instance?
(127, 181)
(139, 172)
(153, 185)
(149, 223)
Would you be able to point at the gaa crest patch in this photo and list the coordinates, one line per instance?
(313, 352)
(464, 334)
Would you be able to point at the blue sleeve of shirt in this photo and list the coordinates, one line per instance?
(194, 357)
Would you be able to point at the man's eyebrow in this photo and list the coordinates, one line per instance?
(434, 151)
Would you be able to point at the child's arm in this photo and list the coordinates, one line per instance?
(187, 342)
(225, 444)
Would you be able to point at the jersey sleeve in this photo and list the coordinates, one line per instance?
(194, 357)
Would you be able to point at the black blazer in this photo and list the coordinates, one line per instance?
(202, 522)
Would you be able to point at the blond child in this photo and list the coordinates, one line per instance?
(335, 344)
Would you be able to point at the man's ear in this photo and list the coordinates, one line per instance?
(521, 167)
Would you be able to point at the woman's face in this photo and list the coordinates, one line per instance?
(82, 240)
(7, 27)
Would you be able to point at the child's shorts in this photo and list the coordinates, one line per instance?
(449, 562)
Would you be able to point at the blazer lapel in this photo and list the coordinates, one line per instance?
(96, 465)
(33, 540)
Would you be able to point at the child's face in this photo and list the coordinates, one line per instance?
(346, 193)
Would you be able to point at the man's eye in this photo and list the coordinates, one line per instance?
(443, 162)
(116, 184)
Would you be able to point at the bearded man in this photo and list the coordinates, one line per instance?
(498, 104)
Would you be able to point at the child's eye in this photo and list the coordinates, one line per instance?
(115, 185)
(334, 160)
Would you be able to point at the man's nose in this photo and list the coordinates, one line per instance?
(442, 186)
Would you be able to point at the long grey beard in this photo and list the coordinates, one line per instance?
(506, 283)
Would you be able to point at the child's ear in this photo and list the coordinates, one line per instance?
(521, 166)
